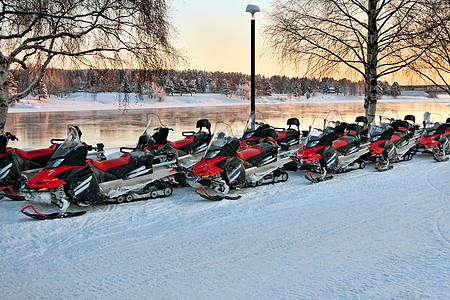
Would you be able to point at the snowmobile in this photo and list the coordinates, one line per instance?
(233, 163)
(333, 147)
(68, 178)
(17, 164)
(185, 151)
(287, 138)
(435, 137)
(392, 141)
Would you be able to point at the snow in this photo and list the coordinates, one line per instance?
(363, 234)
(109, 101)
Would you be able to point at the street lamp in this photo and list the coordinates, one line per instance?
(253, 9)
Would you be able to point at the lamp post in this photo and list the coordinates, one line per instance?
(253, 9)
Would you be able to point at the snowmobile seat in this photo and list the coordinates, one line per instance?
(448, 120)
(442, 128)
(269, 133)
(160, 136)
(361, 119)
(339, 129)
(387, 134)
(294, 122)
(186, 141)
(327, 140)
(34, 154)
(353, 129)
(145, 141)
(410, 118)
(105, 165)
(203, 123)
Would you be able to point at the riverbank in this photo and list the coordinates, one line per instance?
(115, 101)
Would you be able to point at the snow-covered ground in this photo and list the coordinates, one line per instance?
(108, 101)
(362, 235)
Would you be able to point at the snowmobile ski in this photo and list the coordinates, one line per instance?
(8, 192)
(384, 167)
(441, 158)
(57, 215)
(207, 196)
(313, 179)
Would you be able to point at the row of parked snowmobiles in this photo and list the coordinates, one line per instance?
(70, 172)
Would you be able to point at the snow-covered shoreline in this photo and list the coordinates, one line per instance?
(109, 101)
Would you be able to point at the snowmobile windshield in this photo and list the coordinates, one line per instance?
(314, 137)
(255, 122)
(333, 119)
(223, 136)
(388, 116)
(153, 123)
(376, 131)
(70, 144)
(430, 128)
(431, 122)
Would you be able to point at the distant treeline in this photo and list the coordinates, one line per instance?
(157, 84)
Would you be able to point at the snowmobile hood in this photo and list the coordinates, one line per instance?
(428, 141)
(305, 153)
(375, 147)
(206, 167)
(46, 178)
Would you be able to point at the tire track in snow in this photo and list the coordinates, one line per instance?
(443, 190)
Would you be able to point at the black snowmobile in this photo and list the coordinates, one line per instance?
(435, 138)
(392, 141)
(17, 165)
(333, 147)
(185, 151)
(68, 178)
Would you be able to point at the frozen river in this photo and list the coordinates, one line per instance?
(116, 128)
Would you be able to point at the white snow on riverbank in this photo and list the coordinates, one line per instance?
(363, 235)
(108, 101)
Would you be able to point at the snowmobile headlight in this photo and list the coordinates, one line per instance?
(375, 138)
(212, 154)
(312, 144)
(55, 163)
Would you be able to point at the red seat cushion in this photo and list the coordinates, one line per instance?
(178, 144)
(395, 137)
(105, 165)
(36, 153)
(248, 152)
(340, 142)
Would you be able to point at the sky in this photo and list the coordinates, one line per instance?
(215, 36)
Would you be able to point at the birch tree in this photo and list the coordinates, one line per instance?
(366, 37)
(36, 34)
(434, 65)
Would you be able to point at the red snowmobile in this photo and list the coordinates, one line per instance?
(233, 163)
(331, 147)
(435, 137)
(392, 141)
(70, 178)
(17, 166)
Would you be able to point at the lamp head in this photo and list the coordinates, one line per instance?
(252, 9)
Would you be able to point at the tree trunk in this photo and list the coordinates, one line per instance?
(371, 86)
(4, 103)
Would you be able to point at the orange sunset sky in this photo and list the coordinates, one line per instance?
(215, 36)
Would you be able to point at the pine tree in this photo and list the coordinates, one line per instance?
(42, 90)
(267, 87)
(395, 90)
